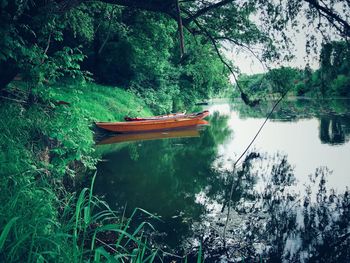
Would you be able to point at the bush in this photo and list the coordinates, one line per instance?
(341, 85)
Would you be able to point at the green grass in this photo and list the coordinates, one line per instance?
(77, 235)
(41, 146)
(101, 103)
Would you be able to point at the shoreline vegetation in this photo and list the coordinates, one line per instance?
(46, 150)
(45, 147)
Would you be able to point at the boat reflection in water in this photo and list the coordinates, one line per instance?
(154, 135)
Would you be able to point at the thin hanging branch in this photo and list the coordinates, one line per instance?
(109, 31)
(241, 156)
(47, 48)
(244, 96)
(331, 15)
(246, 47)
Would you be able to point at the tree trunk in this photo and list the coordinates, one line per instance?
(181, 30)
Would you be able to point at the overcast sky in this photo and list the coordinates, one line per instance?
(248, 64)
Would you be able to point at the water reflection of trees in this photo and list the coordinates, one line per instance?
(269, 220)
(272, 222)
(333, 115)
(163, 177)
(334, 129)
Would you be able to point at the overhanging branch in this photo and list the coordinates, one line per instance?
(329, 14)
(163, 6)
(206, 9)
(180, 28)
(244, 96)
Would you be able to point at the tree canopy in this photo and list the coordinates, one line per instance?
(45, 40)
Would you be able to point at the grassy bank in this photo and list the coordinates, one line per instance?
(45, 143)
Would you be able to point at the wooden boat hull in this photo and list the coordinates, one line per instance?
(145, 136)
(150, 125)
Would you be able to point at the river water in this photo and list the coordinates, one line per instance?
(286, 200)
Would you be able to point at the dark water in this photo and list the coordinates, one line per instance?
(287, 200)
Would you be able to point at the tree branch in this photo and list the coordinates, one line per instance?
(244, 96)
(163, 6)
(206, 10)
(331, 15)
(243, 46)
(47, 48)
(181, 31)
(109, 32)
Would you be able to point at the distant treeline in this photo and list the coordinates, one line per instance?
(332, 79)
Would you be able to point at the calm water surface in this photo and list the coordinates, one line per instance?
(287, 199)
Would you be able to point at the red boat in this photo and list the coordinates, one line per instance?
(201, 115)
(189, 120)
(152, 135)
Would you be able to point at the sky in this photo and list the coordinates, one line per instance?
(248, 64)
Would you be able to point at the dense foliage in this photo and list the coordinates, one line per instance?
(123, 43)
(130, 48)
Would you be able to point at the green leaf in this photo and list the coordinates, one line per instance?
(199, 258)
(6, 231)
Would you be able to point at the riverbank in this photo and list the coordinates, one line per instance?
(45, 143)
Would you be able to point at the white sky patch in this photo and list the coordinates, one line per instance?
(249, 64)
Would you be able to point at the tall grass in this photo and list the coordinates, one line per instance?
(77, 237)
(41, 145)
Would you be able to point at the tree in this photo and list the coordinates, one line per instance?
(334, 72)
(52, 15)
(225, 21)
(282, 79)
(30, 44)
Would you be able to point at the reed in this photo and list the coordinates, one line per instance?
(77, 236)
(40, 219)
